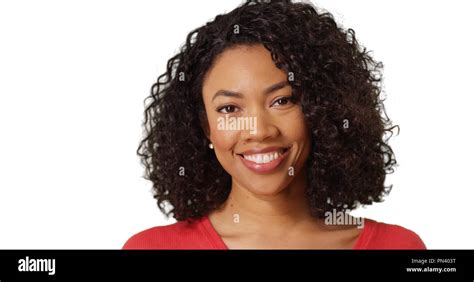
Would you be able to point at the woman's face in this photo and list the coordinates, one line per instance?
(258, 132)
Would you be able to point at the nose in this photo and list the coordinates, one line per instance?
(265, 128)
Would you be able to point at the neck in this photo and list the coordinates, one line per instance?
(247, 212)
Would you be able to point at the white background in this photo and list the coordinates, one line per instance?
(74, 74)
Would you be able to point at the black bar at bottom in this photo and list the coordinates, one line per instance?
(158, 265)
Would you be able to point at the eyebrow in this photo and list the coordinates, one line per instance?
(268, 90)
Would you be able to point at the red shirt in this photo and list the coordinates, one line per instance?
(200, 234)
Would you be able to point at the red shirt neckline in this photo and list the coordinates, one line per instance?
(215, 239)
(211, 233)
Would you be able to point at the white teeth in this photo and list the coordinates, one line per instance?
(263, 158)
(266, 159)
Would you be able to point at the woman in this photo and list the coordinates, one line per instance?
(266, 128)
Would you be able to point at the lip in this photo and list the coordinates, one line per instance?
(264, 167)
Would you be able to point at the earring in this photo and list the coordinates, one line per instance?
(211, 146)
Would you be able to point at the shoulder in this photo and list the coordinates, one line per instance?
(382, 235)
(180, 235)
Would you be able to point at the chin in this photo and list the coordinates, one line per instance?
(265, 187)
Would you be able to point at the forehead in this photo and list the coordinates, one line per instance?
(243, 68)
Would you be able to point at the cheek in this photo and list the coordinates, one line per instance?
(223, 140)
(295, 128)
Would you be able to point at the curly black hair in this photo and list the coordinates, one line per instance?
(336, 80)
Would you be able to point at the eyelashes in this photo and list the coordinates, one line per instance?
(286, 100)
(227, 107)
(279, 102)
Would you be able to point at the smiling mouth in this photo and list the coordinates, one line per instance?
(264, 158)
(264, 162)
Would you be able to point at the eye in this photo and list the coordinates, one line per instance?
(283, 101)
(227, 109)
